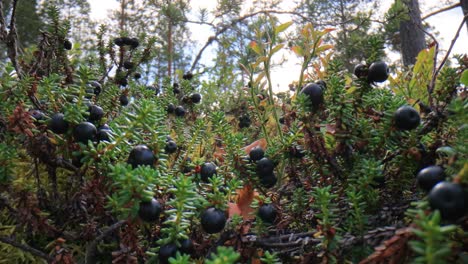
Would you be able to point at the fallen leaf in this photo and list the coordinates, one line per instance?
(393, 250)
(243, 207)
(331, 128)
(262, 143)
(219, 154)
(255, 260)
(233, 209)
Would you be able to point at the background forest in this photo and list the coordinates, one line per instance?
(125, 142)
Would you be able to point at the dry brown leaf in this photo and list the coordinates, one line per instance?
(233, 209)
(219, 154)
(243, 207)
(393, 250)
(331, 128)
(255, 260)
(20, 121)
(262, 143)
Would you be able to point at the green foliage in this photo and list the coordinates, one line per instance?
(310, 46)
(11, 254)
(131, 187)
(299, 202)
(434, 244)
(458, 148)
(7, 166)
(362, 180)
(182, 210)
(270, 258)
(374, 49)
(180, 259)
(398, 11)
(223, 255)
(354, 38)
(421, 74)
(464, 78)
(323, 199)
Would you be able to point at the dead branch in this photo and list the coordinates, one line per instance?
(437, 69)
(283, 241)
(440, 11)
(444, 60)
(226, 27)
(92, 247)
(294, 241)
(10, 38)
(26, 247)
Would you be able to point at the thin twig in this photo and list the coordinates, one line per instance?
(226, 27)
(66, 165)
(454, 40)
(436, 69)
(26, 247)
(92, 247)
(282, 241)
(222, 239)
(279, 245)
(431, 85)
(199, 22)
(440, 11)
(5, 204)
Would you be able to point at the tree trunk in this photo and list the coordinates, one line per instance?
(169, 39)
(169, 50)
(412, 37)
(122, 16)
(464, 6)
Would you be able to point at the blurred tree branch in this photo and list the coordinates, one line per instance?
(10, 38)
(26, 248)
(223, 28)
(440, 11)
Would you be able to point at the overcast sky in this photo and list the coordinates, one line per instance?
(445, 23)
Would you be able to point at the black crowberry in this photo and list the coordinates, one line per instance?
(150, 211)
(213, 220)
(141, 155)
(84, 132)
(378, 72)
(57, 124)
(406, 118)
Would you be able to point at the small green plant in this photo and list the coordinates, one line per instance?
(433, 244)
(326, 217)
(270, 258)
(223, 255)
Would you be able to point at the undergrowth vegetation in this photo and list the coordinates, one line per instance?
(101, 168)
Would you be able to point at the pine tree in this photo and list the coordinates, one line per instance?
(77, 13)
(352, 22)
(164, 20)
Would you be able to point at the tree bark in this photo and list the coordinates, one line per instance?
(464, 6)
(169, 39)
(122, 16)
(412, 37)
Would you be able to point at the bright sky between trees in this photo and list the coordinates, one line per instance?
(445, 23)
